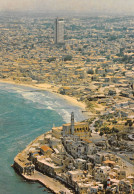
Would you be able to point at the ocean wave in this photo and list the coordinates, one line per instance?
(46, 100)
(5, 113)
(50, 101)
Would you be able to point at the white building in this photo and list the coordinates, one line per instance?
(59, 31)
(101, 173)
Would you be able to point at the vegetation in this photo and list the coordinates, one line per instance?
(90, 71)
(114, 121)
(67, 58)
(101, 133)
(129, 123)
(80, 49)
(107, 130)
(88, 60)
(123, 58)
(51, 59)
(98, 123)
(111, 38)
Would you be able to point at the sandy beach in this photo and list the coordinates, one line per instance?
(54, 89)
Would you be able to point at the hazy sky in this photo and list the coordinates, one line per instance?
(71, 5)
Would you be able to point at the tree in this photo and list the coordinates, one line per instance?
(67, 58)
(80, 49)
(126, 123)
(51, 59)
(90, 71)
(114, 121)
(88, 60)
(101, 133)
(114, 130)
(130, 124)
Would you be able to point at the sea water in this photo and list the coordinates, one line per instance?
(26, 113)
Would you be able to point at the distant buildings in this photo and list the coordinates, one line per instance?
(59, 31)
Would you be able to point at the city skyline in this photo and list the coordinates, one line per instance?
(41, 83)
(75, 6)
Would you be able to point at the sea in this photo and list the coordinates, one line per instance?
(26, 113)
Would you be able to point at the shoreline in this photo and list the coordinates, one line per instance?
(51, 183)
(53, 89)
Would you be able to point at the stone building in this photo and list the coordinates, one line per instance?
(80, 129)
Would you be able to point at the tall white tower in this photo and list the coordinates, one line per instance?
(72, 123)
(59, 31)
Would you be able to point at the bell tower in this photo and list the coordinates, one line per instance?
(72, 123)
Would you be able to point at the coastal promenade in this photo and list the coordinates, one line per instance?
(49, 182)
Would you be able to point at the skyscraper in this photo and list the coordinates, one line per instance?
(59, 31)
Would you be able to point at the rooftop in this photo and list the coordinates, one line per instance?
(46, 148)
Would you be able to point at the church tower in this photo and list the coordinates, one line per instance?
(72, 123)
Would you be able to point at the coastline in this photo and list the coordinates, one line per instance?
(51, 183)
(74, 102)
(53, 89)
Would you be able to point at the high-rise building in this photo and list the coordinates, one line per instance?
(59, 31)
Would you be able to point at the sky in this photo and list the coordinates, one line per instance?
(79, 6)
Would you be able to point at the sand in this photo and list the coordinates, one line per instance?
(54, 89)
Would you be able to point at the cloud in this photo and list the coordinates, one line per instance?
(69, 5)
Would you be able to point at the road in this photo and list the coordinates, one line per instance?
(95, 135)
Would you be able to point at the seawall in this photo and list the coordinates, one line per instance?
(21, 163)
